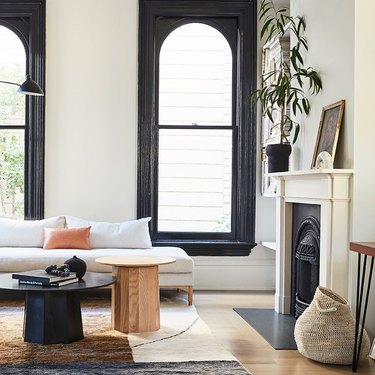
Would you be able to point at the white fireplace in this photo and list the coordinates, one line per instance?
(331, 189)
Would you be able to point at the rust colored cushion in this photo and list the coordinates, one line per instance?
(67, 238)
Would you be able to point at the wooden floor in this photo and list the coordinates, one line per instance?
(216, 309)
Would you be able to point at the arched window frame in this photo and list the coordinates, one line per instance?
(157, 20)
(27, 20)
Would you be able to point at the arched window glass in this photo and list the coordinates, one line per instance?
(195, 79)
(12, 125)
(195, 134)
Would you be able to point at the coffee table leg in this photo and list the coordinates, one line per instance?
(52, 317)
(136, 299)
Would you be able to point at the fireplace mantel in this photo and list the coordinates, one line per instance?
(331, 189)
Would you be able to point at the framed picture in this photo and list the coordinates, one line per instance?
(329, 128)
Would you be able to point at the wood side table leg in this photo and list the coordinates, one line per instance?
(136, 299)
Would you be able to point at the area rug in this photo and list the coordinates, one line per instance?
(276, 329)
(197, 368)
(183, 345)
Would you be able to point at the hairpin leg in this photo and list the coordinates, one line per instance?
(358, 323)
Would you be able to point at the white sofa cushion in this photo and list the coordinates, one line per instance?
(30, 258)
(133, 234)
(27, 233)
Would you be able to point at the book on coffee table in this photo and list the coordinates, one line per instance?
(54, 283)
(41, 276)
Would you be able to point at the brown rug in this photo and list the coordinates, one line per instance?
(100, 340)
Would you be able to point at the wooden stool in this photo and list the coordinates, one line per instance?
(135, 295)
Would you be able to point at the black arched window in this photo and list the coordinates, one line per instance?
(22, 28)
(197, 150)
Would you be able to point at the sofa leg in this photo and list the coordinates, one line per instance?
(188, 290)
(190, 295)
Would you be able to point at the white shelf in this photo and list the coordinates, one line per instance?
(310, 172)
(269, 245)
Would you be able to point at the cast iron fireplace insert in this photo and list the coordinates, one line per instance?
(306, 255)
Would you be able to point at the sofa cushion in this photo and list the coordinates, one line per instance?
(133, 234)
(67, 238)
(25, 259)
(23, 233)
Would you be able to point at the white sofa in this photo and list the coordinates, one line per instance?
(21, 248)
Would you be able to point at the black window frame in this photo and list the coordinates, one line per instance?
(178, 12)
(26, 18)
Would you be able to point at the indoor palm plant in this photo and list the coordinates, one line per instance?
(292, 83)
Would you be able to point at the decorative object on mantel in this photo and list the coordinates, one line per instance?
(324, 161)
(325, 330)
(328, 132)
(285, 86)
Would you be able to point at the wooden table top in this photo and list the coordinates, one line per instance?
(367, 248)
(135, 260)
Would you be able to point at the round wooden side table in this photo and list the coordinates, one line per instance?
(135, 294)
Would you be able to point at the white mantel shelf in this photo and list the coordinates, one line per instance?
(331, 190)
(311, 185)
(309, 172)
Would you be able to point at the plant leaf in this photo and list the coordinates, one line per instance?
(296, 133)
(299, 57)
(264, 12)
(265, 27)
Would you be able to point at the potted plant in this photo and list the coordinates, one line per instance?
(291, 83)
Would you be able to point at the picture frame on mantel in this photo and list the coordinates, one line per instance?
(329, 129)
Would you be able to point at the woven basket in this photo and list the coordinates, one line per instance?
(325, 330)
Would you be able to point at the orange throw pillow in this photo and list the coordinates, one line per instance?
(67, 238)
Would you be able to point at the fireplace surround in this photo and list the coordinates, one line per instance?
(331, 190)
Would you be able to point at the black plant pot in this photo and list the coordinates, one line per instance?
(278, 157)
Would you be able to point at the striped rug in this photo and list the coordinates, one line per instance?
(158, 368)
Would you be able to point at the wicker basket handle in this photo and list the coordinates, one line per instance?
(330, 309)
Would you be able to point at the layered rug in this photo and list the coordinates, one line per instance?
(183, 345)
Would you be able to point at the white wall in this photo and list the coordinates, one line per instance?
(364, 135)
(91, 109)
(91, 130)
(330, 35)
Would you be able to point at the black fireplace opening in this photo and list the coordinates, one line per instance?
(305, 255)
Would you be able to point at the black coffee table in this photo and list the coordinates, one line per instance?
(53, 314)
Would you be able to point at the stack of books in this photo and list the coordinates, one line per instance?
(42, 278)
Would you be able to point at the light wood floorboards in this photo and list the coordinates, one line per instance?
(216, 309)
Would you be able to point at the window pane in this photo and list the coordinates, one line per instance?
(195, 180)
(12, 162)
(195, 84)
(12, 69)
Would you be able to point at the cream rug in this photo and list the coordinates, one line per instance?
(183, 336)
